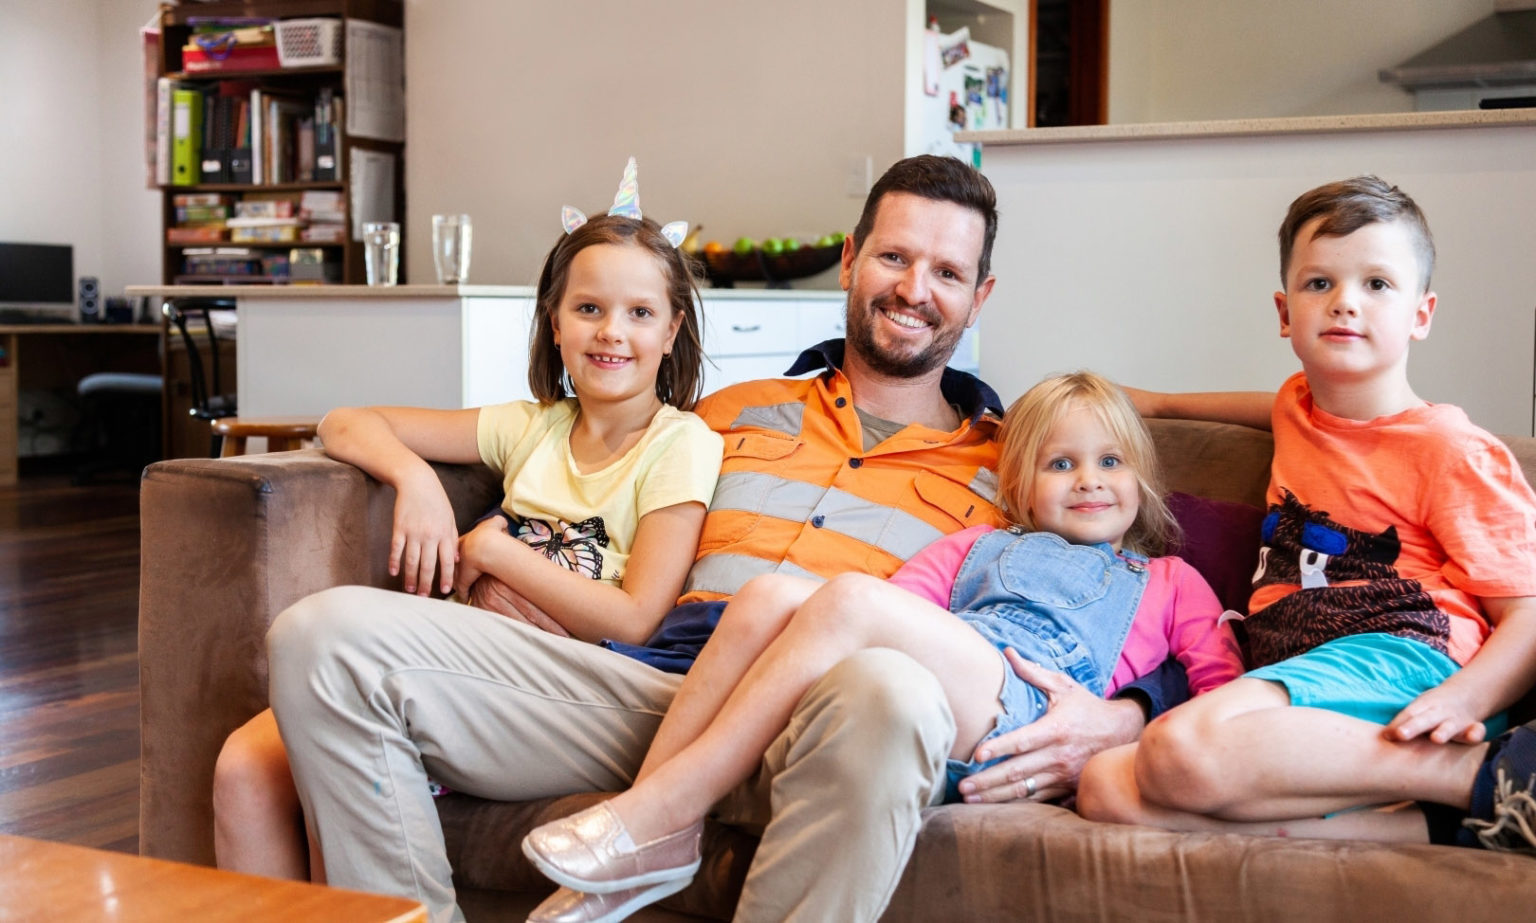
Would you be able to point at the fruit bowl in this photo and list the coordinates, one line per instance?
(726, 268)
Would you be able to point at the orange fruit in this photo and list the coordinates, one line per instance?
(714, 246)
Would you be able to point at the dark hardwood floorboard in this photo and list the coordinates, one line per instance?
(69, 672)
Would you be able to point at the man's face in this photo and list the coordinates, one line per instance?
(912, 287)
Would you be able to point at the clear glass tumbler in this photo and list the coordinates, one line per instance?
(381, 252)
(451, 239)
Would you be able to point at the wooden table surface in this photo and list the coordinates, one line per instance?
(59, 883)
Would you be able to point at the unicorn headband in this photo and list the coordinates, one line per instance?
(626, 203)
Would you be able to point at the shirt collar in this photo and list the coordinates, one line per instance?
(972, 395)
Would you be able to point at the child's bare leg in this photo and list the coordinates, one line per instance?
(848, 614)
(258, 826)
(1108, 792)
(1243, 753)
(751, 622)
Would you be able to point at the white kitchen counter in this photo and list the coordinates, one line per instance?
(306, 349)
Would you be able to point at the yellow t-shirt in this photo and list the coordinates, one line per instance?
(587, 522)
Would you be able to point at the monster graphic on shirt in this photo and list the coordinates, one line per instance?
(1346, 583)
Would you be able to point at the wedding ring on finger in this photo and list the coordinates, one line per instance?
(1029, 787)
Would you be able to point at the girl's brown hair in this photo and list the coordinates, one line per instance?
(680, 379)
(1028, 424)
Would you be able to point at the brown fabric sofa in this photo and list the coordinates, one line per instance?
(228, 543)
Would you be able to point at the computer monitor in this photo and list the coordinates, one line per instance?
(37, 279)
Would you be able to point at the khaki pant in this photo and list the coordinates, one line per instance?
(375, 690)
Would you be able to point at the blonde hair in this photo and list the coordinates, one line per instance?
(1028, 424)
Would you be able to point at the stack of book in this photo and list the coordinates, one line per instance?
(325, 212)
(264, 221)
(201, 217)
(229, 44)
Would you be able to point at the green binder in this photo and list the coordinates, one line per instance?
(186, 136)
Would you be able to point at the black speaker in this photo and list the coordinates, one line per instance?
(90, 300)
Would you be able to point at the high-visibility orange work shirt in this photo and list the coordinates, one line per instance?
(798, 494)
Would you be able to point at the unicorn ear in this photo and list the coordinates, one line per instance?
(675, 231)
(571, 218)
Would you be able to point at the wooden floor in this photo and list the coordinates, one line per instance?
(69, 676)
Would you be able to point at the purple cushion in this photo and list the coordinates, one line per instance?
(1221, 541)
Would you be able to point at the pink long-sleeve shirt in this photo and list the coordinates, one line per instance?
(1178, 615)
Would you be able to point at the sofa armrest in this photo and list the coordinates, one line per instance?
(227, 544)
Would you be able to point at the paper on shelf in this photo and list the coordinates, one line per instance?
(375, 78)
(372, 182)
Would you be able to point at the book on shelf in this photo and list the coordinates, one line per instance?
(195, 234)
(186, 135)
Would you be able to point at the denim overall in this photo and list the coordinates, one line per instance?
(1066, 607)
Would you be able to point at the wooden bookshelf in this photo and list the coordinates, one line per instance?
(299, 87)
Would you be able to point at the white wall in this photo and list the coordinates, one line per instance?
(72, 119)
(1154, 261)
(1177, 60)
(742, 116)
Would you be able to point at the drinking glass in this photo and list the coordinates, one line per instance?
(381, 252)
(451, 237)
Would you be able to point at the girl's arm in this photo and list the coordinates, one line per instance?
(1498, 674)
(1197, 638)
(394, 444)
(666, 541)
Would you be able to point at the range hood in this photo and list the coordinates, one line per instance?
(1499, 51)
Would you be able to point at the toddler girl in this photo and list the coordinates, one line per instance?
(1069, 586)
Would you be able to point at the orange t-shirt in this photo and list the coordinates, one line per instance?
(1396, 524)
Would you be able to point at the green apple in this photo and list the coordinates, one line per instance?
(826, 240)
(743, 246)
(791, 243)
(773, 246)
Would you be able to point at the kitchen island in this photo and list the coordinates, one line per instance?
(306, 349)
(1148, 251)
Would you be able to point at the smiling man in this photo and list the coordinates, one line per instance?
(856, 468)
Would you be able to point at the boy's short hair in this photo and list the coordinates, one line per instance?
(680, 379)
(1349, 205)
(942, 179)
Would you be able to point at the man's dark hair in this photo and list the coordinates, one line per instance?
(942, 179)
(1349, 205)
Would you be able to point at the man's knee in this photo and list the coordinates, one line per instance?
(885, 700)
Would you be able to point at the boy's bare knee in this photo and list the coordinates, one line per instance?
(1177, 767)
(252, 775)
(1106, 790)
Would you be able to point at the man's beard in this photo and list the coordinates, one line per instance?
(861, 340)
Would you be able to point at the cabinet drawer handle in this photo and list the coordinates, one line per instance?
(738, 328)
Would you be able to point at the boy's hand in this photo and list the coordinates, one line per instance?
(1442, 715)
(424, 537)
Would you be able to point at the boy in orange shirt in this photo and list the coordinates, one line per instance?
(1394, 608)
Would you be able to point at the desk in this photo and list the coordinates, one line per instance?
(53, 881)
(58, 356)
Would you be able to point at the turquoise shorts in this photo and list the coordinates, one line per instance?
(1371, 677)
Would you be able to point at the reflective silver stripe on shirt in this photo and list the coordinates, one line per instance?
(985, 484)
(727, 573)
(787, 418)
(754, 491)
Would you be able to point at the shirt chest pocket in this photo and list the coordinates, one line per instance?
(747, 486)
(961, 505)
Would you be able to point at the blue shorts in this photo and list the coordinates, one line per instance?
(1371, 676)
(1022, 703)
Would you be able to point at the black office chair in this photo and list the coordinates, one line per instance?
(209, 401)
(119, 426)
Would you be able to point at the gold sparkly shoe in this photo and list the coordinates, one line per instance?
(591, 851)
(567, 906)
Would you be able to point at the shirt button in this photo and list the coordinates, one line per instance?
(842, 402)
(817, 520)
(855, 462)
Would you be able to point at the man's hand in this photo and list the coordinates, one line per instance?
(493, 595)
(1047, 756)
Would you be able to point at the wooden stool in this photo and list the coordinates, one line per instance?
(282, 433)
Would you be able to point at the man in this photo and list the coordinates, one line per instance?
(855, 468)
